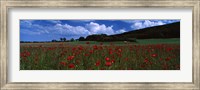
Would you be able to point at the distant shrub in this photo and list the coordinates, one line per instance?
(132, 39)
(81, 39)
(72, 40)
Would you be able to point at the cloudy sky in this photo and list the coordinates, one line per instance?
(46, 30)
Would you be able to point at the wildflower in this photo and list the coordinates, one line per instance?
(91, 51)
(108, 63)
(63, 63)
(168, 58)
(112, 61)
(119, 50)
(74, 48)
(126, 59)
(146, 60)
(110, 52)
(168, 49)
(70, 58)
(28, 53)
(107, 59)
(154, 55)
(80, 48)
(87, 42)
(95, 47)
(87, 54)
(71, 65)
(97, 63)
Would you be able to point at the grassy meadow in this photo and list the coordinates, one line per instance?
(146, 54)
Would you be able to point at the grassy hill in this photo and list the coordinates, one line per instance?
(164, 31)
(157, 32)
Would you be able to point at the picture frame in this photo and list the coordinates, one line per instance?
(4, 56)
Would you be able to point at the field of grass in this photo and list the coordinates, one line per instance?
(139, 41)
(149, 54)
(159, 41)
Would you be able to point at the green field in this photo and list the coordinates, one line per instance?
(139, 41)
(146, 54)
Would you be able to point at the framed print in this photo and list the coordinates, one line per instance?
(121, 44)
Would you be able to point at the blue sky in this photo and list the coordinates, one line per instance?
(46, 30)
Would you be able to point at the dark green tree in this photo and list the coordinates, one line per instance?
(81, 39)
(72, 40)
(61, 39)
(64, 39)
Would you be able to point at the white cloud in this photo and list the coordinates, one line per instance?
(161, 23)
(69, 30)
(137, 25)
(35, 28)
(146, 23)
(120, 31)
(96, 28)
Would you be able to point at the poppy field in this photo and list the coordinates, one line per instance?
(99, 56)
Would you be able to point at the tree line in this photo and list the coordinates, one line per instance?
(94, 37)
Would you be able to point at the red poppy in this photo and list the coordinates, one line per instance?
(168, 58)
(168, 49)
(126, 59)
(74, 48)
(112, 61)
(25, 54)
(97, 63)
(28, 53)
(91, 51)
(63, 63)
(107, 59)
(71, 65)
(87, 42)
(70, 57)
(119, 50)
(22, 55)
(154, 55)
(110, 49)
(80, 48)
(146, 60)
(95, 47)
(87, 54)
(108, 63)
(149, 50)
(110, 52)
(77, 61)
